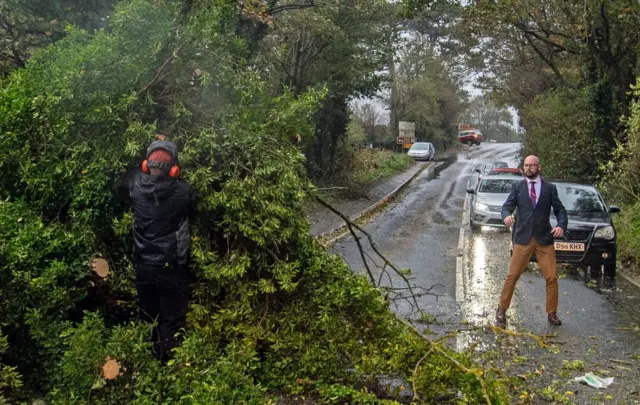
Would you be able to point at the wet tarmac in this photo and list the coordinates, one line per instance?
(420, 232)
(600, 327)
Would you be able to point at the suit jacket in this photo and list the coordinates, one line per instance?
(534, 221)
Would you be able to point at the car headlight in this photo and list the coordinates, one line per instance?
(606, 233)
(482, 207)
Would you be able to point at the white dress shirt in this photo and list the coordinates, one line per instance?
(537, 187)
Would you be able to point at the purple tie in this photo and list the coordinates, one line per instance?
(532, 194)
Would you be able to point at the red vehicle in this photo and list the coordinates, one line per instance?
(505, 170)
(470, 137)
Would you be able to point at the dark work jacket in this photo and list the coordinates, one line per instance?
(534, 222)
(162, 206)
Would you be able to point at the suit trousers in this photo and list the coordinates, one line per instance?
(546, 257)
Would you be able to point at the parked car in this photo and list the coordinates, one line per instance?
(470, 137)
(505, 171)
(499, 164)
(591, 238)
(479, 171)
(422, 151)
(476, 171)
(477, 168)
(488, 199)
(486, 168)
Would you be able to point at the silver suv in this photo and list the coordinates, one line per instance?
(488, 198)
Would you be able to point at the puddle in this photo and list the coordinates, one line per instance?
(446, 162)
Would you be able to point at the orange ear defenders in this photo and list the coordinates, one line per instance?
(173, 170)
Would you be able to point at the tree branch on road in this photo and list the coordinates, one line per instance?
(351, 225)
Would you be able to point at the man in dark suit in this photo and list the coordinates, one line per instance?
(534, 198)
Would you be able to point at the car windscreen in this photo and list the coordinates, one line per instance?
(578, 198)
(497, 185)
(487, 168)
(420, 146)
(500, 164)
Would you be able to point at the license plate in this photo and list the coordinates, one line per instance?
(571, 247)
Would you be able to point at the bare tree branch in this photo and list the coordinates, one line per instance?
(387, 262)
(364, 259)
(548, 61)
(539, 37)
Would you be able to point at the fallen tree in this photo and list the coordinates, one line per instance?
(272, 312)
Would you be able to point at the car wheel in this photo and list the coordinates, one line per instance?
(609, 270)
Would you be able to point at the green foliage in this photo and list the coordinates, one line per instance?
(371, 165)
(620, 183)
(27, 25)
(561, 131)
(575, 54)
(356, 135)
(428, 94)
(623, 171)
(272, 312)
(10, 379)
(494, 122)
(340, 46)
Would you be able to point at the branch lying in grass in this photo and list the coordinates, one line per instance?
(542, 341)
(477, 373)
(537, 338)
(415, 375)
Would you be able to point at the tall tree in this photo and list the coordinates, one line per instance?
(28, 25)
(561, 43)
(494, 122)
(337, 46)
(427, 92)
(370, 117)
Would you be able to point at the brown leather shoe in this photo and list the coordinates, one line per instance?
(553, 319)
(501, 316)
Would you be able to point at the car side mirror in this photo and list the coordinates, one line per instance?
(613, 209)
(478, 171)
(471, 191)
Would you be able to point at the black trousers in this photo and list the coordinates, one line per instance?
(163, 296)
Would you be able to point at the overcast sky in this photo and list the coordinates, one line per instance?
(469, 87)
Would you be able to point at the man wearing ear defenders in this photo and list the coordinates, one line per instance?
(162, 206)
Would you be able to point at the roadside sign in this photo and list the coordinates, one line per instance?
(406, 142)
(406, 130)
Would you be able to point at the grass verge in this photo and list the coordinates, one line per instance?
(627, 224)
(371, 165)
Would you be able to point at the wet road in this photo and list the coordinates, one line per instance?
(601, 324)
(420, 232)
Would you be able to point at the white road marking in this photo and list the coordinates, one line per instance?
(459, 288)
